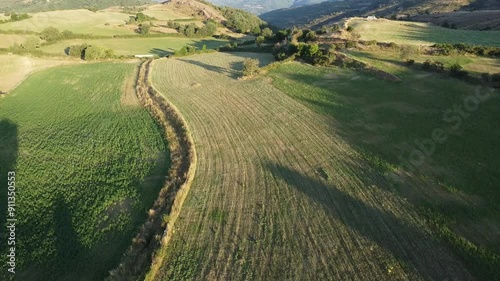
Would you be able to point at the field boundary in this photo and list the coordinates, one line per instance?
(156, 231)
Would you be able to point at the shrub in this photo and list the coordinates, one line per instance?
(393, 45)
(370, 43)
(410, 62)
(433, 66)
(325, 59)
(144, 28)
(350, 44)
(267, 32)
(78, 51)
(259, 40)
(456, 70)
(350, 29)
(250, 67)
(50, 34)
(97, 53)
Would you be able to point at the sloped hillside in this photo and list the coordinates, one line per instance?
(331, 11)
(52, 5)
(262, 6)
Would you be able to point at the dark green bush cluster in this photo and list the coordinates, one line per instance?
(52, 34)
(431, 65)
(191, 30)
(241, 21)
(410, 62)
(310, 53)
(90, 52)
(250, 67)
(448, 49)
(16, 17)
(191, 50)
(139, 18)
(300, 35)
(456, 70)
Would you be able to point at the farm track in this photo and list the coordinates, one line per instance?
(183, 159)
(278, 195)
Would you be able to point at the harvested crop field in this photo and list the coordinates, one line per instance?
(278, 194)
(14, 69)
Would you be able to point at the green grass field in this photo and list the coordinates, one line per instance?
(456, 186)
(394, 61)
(14, 68)
(415, 33)
(280, 192)
(132, 46)
(89, 161)
(77, 21)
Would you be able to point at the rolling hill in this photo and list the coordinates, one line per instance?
(328, 12)
(262, 6)
(45, 5)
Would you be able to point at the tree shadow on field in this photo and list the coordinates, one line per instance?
(413, 248)
(230, 72)
(160, 52)
(8, 157)
(66, 239)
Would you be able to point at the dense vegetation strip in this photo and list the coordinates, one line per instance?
(166, 208)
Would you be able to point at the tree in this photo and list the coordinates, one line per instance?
(144, 28)
(78, 51)
(250, 67)
(259, 40)
(190, 30)
(140, 17)
(256, 30)
(267, 32)
(211, 28)
(50, 34)
(97, 52)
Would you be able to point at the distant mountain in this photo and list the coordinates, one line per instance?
(262, 6)
(331, 11)
(51, 5)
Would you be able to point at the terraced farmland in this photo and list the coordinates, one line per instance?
(77, 21)
(132, 46)
(89, 162)
(279, 194)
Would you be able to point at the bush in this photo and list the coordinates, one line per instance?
(325, 59)
(97, 53)
(410, 62)
(350, 29)
(250, 67)
(78, 51)
(259, 40)
(50, 34)
(433, 66)
(144, 28)
(267, 32)
(456, 70)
